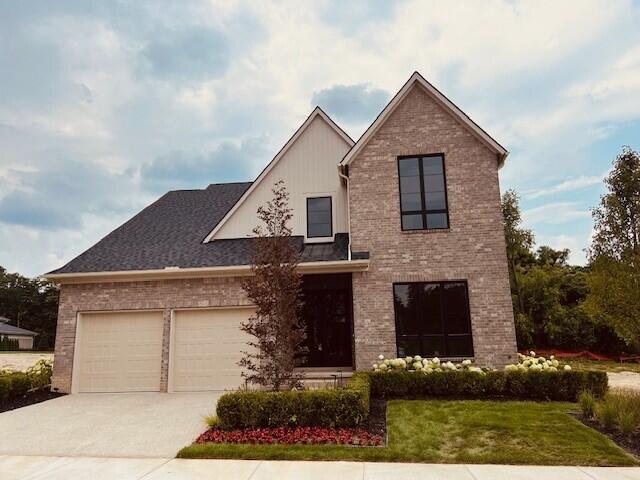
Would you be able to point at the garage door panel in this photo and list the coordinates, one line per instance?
(120, 352)
(207, 348)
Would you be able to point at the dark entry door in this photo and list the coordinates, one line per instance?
(327, 314)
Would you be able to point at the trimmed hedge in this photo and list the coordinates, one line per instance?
(557, 386)
(14, 385)
(346, 407)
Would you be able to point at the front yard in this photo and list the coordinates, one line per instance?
(469, 431)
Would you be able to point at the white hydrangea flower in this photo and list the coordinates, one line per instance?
(466, 362)
(375, 366)
(553, 369)
(409, 360)
(567, 368)
(383, 366)
(435, 360)
(380, 357)
(417, 358)
(532, 353)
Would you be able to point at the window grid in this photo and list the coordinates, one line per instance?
(423, 213)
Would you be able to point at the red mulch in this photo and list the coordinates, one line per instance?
(293, 436)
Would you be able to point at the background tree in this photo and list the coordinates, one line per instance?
(274, 288)
(614, 255)
(30, 303)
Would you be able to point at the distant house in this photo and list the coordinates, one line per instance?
(24, 337)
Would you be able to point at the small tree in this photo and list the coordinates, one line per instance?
(274, 287)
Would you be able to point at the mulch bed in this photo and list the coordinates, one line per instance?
(630, 443)
(30, 398)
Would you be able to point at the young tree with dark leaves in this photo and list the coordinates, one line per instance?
(614, 254)
(274, 288)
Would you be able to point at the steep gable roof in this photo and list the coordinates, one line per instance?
(317, 112)
(418, 80)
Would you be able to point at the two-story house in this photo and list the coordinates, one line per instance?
(401, 247)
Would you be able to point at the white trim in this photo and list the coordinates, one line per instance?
(334, 266)
(317, 112)
(432, 91)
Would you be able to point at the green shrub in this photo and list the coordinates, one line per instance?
(40, 373)
(627, 421)
(587, 402)
(345, 407)
(9, 344)
(620, 408)
(518, 384)
(13, 384)
(212, 421)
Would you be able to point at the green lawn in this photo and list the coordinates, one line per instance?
(602, 365)
(471, 431)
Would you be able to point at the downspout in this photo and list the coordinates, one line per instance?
(346, 179)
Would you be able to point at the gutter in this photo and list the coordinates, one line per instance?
(342, 168)
(171, 273)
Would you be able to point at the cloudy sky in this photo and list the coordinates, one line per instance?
(104, 106)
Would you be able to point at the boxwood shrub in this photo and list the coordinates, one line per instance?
(345, 407)
(14, 384)
(520, 385)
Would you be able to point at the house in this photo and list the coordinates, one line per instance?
(24, 337)
(402, 251)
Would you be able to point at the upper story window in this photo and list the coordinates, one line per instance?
(423, 192)
(319, 221)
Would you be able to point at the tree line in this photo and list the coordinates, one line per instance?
(595, 307)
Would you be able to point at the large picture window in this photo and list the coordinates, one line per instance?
(423, 192)
(319, 222)
(432, 319)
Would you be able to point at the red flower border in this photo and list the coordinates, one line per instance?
(293, 436)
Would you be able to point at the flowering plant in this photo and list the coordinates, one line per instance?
(295, 435)
(40, 373)
(426, 365)
(534, 363)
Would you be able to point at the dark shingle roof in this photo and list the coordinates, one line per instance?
(6, 329)
(170, 231)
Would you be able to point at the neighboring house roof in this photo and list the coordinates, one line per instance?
(169, 233)
(6, 329)
(433, 92)
(317, 112)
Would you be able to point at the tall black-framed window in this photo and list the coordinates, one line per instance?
(319, 221)
(423, 192)
(432, 319)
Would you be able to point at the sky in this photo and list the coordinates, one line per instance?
(106, 105)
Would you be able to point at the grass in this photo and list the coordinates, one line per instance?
(470, 431)
(602, 365)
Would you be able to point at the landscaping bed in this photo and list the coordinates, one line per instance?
(29, 398)
(294, 436)
(470, 431)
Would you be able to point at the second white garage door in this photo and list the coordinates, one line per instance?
(206, 348)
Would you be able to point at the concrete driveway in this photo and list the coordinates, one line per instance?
(107, 425)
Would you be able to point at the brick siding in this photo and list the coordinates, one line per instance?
(472, 249)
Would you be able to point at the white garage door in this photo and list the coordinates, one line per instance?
(206, 348)
(119, 352)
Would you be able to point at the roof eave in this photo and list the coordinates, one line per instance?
(334, 266)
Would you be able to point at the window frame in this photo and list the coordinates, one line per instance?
(444, 335)
(423, 212)
(314, 197)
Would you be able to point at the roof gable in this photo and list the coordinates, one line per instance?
(417, 80)
(317, 113)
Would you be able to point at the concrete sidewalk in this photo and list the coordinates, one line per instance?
(72, 468)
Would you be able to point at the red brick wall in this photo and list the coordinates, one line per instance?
(473, 249)
(165, 295)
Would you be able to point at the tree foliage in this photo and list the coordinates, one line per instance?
(548, 294)
(30, 303)
(614, 254)
(274, 288)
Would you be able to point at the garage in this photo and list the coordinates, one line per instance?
(206, 346)
(118, 352)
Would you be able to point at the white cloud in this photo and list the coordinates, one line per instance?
(575, 243)
(566, 186)
(554, 213)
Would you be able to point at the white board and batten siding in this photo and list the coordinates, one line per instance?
(308, 169)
